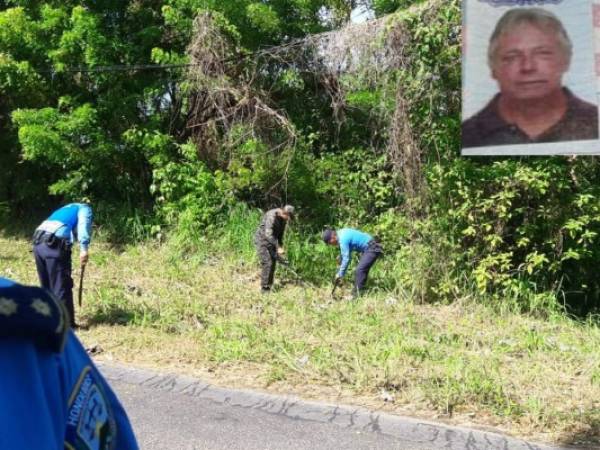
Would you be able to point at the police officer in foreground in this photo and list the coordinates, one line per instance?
(269, 243)
(52, 395)
(351, 240)
(52, 242)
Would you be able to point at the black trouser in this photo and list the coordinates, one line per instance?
(367, 259)
(53, 263)
(267, 255)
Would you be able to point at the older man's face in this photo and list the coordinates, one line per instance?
(529, 63)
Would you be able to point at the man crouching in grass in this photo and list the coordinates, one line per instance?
(351, 240)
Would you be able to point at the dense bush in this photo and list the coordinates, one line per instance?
(521, 232)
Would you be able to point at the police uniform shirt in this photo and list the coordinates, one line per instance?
(52, 397)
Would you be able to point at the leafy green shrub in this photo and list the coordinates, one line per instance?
(356, 185)
(526, 226)
(190, 197)
(236, 233)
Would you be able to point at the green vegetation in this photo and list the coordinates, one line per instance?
(487, 259)
(464, 363)
(175, 152)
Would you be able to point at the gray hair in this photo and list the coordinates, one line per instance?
(540, 18)
(289, 209)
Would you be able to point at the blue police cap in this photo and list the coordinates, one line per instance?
(32, 313)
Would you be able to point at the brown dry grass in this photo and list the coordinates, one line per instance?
(462, 363)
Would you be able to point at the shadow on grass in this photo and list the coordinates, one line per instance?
(111, 315)
(293, 280)
(288, 274)
(116, 246)
(585, 439)
(18, 231)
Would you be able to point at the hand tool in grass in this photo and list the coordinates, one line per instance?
(296, 278)
(281, 260)
(336, 282)
(81, 284)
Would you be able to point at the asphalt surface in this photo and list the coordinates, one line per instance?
(181, 413)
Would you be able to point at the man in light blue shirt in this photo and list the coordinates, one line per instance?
(52, 242)
(52, 395)
(351, 240)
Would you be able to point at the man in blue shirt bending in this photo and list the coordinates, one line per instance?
(52, 242)
(351, 240)
(52, 397)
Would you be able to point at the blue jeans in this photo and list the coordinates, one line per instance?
(367, 259)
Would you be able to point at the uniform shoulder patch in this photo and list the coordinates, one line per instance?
(90, 420)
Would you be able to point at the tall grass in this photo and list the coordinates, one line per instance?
(465, 359)
(233, 239)
(423, 270)
(236, 235)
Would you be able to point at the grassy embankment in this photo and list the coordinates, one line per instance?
(461, 363)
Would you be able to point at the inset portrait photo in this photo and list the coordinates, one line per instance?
(529, 80)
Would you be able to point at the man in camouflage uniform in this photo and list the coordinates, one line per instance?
(269, 242)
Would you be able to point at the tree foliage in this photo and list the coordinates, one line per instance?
(266, 116)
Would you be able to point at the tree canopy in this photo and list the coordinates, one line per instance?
(245, 109)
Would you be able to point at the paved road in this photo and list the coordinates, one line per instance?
(180, 413)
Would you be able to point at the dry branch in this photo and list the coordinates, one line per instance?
(228, 89)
